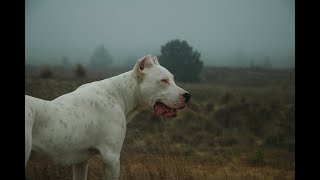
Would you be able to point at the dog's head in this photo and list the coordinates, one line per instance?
(157, 88)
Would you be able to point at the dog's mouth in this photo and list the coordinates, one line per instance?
(164, 110)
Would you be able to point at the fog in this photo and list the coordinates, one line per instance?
(221, 30)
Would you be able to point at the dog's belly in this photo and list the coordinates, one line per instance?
(63, 159)
(63, 148)
(62, 142)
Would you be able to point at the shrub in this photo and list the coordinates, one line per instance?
(226, 141)
(200, 137)
(210, 107)
(257, 158)
(46, 73)
(275, 139)
(227, 97)
(80, 71)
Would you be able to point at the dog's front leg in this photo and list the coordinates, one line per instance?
(80, 171)
(111, 166)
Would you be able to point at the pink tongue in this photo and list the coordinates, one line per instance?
(161, 108)
(170, 113)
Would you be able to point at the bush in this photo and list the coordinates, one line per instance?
(46, 73)
(227, 97)
(210, 107)
(275, 139)
(257, 158)
(80, 71)
(227, 141)
(200, 137)
(228, 117)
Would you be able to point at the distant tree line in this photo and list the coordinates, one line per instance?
(101, 58)
(99, 61)
(265, 64)
(176, 55)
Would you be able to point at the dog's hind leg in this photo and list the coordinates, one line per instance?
(28, 145)
(111, 166)
(80, 171)
(29, 119)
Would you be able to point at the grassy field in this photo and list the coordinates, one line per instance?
(240, 124)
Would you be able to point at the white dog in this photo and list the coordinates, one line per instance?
(72, 128)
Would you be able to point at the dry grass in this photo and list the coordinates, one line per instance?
(149, 166)
(168, 163)
(237, 126)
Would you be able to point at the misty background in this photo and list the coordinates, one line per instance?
(236, 58)
(225, 32)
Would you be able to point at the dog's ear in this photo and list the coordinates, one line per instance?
(142, 64)
(155, 60)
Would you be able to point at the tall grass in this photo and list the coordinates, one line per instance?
(167, 163)
(228, 131)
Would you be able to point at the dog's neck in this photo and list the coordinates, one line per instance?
(128, 93)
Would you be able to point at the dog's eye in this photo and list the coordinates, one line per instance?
(165, 81)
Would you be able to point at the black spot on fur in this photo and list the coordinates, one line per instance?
(64, 124)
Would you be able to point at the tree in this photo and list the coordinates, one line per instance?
(180, 59)
(240, 58)
(130, 62)
(267, 62)
(65, 62)
(252, 65)
(101, 59)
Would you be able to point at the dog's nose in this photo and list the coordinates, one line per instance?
(187, 97)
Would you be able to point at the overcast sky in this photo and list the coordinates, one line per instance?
(218, 29)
